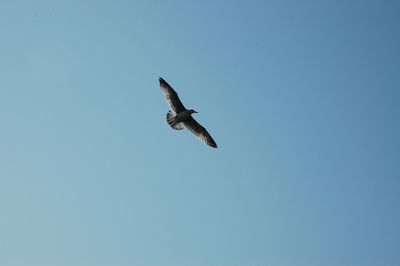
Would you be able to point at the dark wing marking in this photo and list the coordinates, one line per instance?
(172, 97)
(199, 131)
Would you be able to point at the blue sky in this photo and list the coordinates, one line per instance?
(302, 98)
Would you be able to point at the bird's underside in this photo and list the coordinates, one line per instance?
(180, 117)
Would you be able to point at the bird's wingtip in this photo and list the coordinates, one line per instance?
(162, 81)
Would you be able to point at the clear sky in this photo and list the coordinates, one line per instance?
(302, 98)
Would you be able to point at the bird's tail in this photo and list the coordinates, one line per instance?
(171, 121)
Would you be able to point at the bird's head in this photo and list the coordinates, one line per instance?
(192, 111)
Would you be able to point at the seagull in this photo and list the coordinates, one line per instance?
(180, 117)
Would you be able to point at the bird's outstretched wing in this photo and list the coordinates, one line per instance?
(172, 97)
(200, 132)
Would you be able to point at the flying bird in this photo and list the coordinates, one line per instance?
(180, 117)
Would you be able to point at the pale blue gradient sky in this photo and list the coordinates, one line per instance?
(302, 98)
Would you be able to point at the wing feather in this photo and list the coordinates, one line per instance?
(200, 132)
(172, 97)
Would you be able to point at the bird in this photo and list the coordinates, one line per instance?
(179, 117)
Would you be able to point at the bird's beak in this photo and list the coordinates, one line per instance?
(196, 112)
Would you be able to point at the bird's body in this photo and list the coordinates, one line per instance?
(180, 117)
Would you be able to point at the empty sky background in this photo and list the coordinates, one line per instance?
(302, 98)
